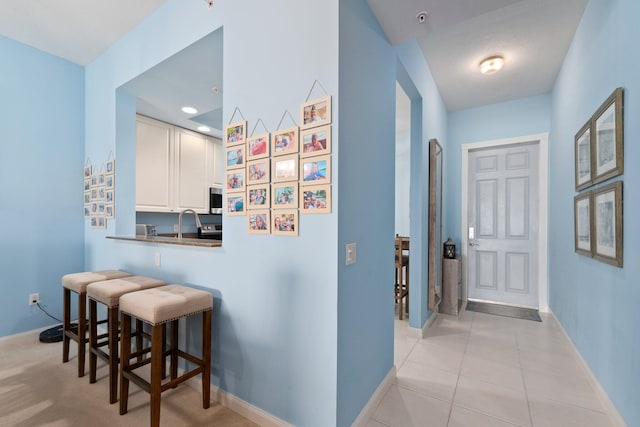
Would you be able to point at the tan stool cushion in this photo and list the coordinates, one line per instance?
(78, 281)
(108, 292)
(165, 303)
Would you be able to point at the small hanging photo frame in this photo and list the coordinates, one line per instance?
(316, 112)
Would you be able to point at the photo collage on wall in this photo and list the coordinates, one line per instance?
(99, 193)
(272, 178)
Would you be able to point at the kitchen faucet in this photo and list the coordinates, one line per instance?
(195, 214)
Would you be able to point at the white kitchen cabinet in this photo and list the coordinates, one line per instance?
(174, 167)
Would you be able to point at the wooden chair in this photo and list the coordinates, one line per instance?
(401, 286)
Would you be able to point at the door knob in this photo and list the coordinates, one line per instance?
(473, 243)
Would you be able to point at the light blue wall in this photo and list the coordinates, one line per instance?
(526, 116)
(275, 320)
(41, 165)
(597, 303)
(366, 208)
(428, 120)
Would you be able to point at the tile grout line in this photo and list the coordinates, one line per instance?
(455, 389)
(524, 383)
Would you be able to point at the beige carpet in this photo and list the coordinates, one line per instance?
(37, 389)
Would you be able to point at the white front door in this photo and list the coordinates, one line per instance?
(502, 234)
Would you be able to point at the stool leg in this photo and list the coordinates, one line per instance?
(164, 347)
(174, 350)
(139, 337)
(112, 322)
(82, 331)
(66, 323)
(93, 340)
(125, 347)
(156, 373)
(400, 290)
(206, 359)
(406, 304)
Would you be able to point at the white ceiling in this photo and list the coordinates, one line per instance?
(532, 35)
(76, 30)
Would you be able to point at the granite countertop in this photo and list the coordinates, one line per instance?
(188, 239)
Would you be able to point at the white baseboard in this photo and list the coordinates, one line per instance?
(367, 411)
(610, 408)
(239, 406)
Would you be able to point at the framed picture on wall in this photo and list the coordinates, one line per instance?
(315, 170)
(608, 144)
(258, 222)
(607, 220)
(285, 168)
(235, 204)
(316, 141)
(235, 133)
(235, 181)
(285, 195)
(315, 199)
(583, 157)
(110, 166)
(258, 171)
(258, 147)
(235, 157)
(258, 196)
(315, 113)
(110, 211)
(284, 142)
(285, 223)
(109, 182)
(583, 212)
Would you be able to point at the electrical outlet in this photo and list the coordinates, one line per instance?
(351, 254)
(175, 228)
(157, 259)
(34, 299)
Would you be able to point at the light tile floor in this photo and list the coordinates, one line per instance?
(484, 370)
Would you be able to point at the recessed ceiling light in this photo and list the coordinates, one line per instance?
(189, 110)
(204, 129)
(492, 64)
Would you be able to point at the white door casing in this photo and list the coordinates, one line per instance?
(504, 201)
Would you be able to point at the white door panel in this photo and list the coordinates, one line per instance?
(503, 225)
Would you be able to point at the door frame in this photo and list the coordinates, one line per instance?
(543, 164)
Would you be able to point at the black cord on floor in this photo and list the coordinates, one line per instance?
(45, 312)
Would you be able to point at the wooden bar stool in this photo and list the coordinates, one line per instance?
(156, 307)
(401, 287)
(78, 282)
(108, 292)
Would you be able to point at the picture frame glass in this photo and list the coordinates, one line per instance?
(285, 196)
(316, 112)
(285, 168)
(583, 224)
(605, 126)
(285, 222)
(605, 221)
(315, 199)
(583, 155)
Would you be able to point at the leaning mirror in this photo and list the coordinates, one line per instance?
(435, 224)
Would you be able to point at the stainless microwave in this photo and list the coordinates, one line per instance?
(215, 200)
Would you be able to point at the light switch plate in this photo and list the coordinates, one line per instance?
(351, 254)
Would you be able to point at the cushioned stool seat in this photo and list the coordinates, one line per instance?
(156, 307)
(78, 282)
(108, 292)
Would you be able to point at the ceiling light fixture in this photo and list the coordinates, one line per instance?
(204, 129)
(209, 3)
(492, 64)
(189, 110)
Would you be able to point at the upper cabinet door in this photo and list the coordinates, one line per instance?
(154, 169)
(191, 171)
